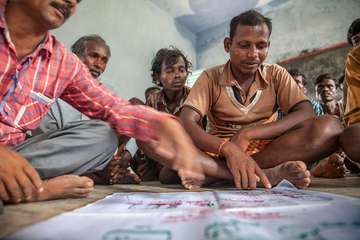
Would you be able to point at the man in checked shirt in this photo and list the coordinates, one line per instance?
(35, 70)
(94, 52)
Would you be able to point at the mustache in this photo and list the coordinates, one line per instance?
(98, 72)
(250, 62)
(64, 8)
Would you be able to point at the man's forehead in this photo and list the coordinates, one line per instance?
(327, 81)
(298, 77)
(260, 30)
(93, 46)
(179, 62)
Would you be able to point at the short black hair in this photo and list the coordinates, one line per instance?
(341, 79)
(169, 56)
(353, 29)
(323, 77)
(294, 72)
(136, 101)
(249, 18)
(80, 45)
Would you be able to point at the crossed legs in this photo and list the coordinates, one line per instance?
(285, 157)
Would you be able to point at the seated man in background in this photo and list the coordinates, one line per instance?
(301, 81)
(93, 51)
(37, 69)
(241, 99)
(326, 88)
(350, 139)
(170, 69)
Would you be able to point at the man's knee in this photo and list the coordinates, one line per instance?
(96, 134)
(106, 135)
(349, 141)
(326, 127)
(322, 133)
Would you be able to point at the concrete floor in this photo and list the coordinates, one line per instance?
(18, 216)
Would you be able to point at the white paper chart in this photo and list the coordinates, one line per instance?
(283, 212)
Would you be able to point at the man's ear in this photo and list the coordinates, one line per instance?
(227, 44)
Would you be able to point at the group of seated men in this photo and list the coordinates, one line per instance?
(226, 128)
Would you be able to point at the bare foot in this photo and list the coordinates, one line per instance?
(190, 180)
(331, 167)
(115, 171)
(128, 177)
(66, 186)
(293, 171)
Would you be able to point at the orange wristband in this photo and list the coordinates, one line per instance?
(221, 146)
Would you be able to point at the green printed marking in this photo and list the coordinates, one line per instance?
(128, 234)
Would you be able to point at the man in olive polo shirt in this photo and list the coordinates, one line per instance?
(241, 99)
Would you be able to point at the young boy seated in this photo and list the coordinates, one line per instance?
(241, 99)
(170, 69)
(349, 140)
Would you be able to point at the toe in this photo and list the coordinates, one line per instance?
(88, 182)
(81, 191)
(301, 165)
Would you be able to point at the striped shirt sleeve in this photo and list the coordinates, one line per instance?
(96, 101)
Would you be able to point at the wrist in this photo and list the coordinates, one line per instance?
(221, 146)
(246, 133)
(226, 149)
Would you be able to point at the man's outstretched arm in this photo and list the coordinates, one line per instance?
(160, 133)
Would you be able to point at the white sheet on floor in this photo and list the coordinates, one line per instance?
(283, 212)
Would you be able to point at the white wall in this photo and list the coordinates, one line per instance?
(297, 25)
(134, 30)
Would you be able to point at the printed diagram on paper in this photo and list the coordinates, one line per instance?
(281, 213)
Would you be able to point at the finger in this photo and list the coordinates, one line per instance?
(3, 193)
(116, 178)
(114, 162)
(34, 178)
(114, 170)
(252, 177)
(136, 178)
(26, 186)
(244, 178)
(124, 164)
(237, 179)
(263, 178)
(13, 189)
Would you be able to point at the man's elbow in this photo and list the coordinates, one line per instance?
(306, 110)
(189, 118)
